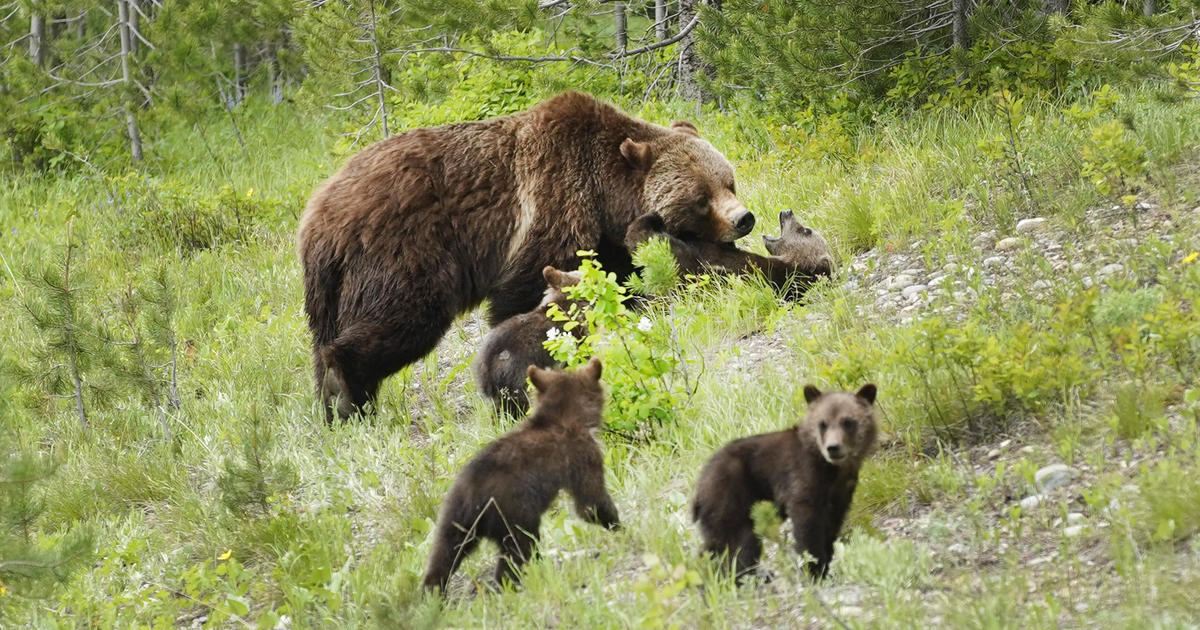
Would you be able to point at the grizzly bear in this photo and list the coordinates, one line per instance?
(808, 471)
(424, 225)
(799, 255)
(504, 490)
(516, 343)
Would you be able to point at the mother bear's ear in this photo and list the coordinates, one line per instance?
(639, 155)
(683, 126)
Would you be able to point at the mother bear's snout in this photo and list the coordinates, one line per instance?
(743, 223)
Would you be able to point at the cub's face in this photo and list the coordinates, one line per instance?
(574, 395)
(556, 281)
(799, 245)
(842, 423)
(690, 184)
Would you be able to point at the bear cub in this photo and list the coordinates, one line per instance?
(505, 488)
(808, 471)
(799, 255)
(516, 343)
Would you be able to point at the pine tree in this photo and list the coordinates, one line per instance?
(29, 560)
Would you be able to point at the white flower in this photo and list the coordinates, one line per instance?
(553, 333)
(644, 324)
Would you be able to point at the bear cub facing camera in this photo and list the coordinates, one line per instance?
(504, 490)
(808, 471)
(516, 343)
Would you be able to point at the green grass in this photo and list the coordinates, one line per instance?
(1094, 377)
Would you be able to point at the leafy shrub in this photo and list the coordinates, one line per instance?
(165, 214)
(640, 356)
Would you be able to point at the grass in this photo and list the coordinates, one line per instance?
(976, 392)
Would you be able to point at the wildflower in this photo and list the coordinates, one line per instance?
(553, 333)
(644, 324)
(225, 556)
(1190, 258)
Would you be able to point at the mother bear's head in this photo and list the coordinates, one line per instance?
(690, 184)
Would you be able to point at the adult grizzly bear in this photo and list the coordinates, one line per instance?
(422, 226)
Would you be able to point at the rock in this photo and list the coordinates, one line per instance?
(1031, 502)
(900, 281)
(993, 454)
(993, 261)
(915, 289)
(913, 272)
(1108, 270)
(1053, 476)
(1072, 531)
(1074, 518)
(1041, 285)
(1025, 226)
(1006, 244)
(1086, 282)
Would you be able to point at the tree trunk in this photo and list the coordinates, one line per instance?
(135, 137)
(962, 38)
(622, 34)
(239, 74)
(690, 65)
(276, 83)
(1149, 7)
(660, 19)
(380, 85)
(37, 40)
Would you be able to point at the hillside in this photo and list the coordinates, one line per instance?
(1019, 283)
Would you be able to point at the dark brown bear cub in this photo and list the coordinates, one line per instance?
(506, 487)
(808, 471)
(516, 343)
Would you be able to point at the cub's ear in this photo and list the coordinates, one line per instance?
(867, 393)
(538, 377)
(811, 393)
(555, 278)
(593, 368)
(683, 126)
(637, 154)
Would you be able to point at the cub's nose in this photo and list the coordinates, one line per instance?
(834, 450)
(744, 223)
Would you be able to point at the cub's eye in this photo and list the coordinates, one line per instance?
(848, 425)
(701, 203)
(823, 425)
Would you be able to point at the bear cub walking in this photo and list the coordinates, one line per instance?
(808, 471)
(516, 343)
(506, 487)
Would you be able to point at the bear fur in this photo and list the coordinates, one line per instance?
(808, 471)
(419, 227)
(516, 343)
(799, 255)
(504, 490)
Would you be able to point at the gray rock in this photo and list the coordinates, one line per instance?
(900, 281)
(1086, 282)
(1071, 531)
(936, 282)
(1074, 518)
(1025, 226)
(993, 261)
(915, 289)
(1006, 244)
(1108, 270)
(1031, 502)
(1053, 476)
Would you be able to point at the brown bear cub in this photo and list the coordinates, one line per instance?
(808, 471)
(516, 343)
(506, 487)
(799, 255)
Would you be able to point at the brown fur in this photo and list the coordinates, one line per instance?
(504, 490)
(798, 470)
(516, 343)
(426, 224)
(800, 255)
